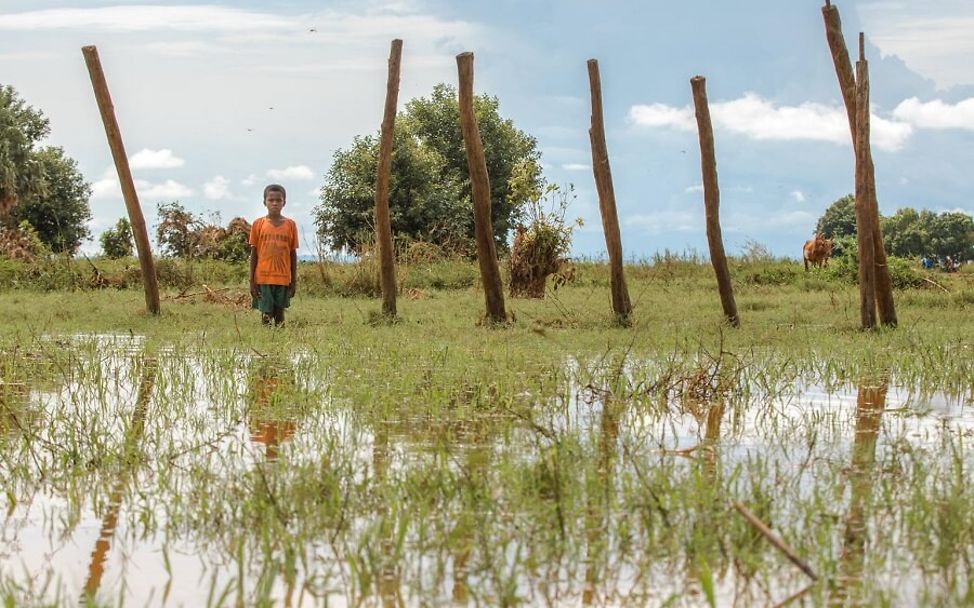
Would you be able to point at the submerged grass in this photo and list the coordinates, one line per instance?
(557, 460)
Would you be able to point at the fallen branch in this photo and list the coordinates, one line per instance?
(775, 540)
(932, 282)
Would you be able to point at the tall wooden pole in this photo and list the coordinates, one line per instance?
(884, 283)
(383, 225)
(864, 215)
(621, 304)
(711, 197)
(847, 85)
(107, 110)
(480, 188)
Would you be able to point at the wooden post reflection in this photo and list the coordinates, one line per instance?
(600, 503)
(869, 410)
(390, 573)
(96, 566)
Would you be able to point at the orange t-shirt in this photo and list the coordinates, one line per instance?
(274, 245)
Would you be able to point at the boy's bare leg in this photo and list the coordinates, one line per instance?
(279, 317)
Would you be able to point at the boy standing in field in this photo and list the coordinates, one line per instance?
(273, 258)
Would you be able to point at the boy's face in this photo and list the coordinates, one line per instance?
(274, 201)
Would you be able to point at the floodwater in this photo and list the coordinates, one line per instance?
(201, 480)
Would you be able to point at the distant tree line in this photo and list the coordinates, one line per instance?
(908, 233)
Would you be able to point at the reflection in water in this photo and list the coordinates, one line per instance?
(389, 583)
(599, 501)
(96, 567)
(270, 385)
(869, 410)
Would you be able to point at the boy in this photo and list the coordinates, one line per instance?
(273, 258)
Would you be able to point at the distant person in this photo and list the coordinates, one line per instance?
(926, 262)
(273, 258)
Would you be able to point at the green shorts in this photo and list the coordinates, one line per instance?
(271, 297)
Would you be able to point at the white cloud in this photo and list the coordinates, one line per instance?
(932, 38)
(692, 189)
(217, 188)
(296, 172)
(662, 115)
(779, 219)
(798, 195)
(936, 114)
(146, 17)
(576, 167)
(167, 189)
(248, 181)
(759, 119)
(108, 188)
(155, 159)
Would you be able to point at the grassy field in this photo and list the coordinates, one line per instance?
(197, 458)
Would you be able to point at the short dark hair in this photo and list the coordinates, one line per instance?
(275, 188)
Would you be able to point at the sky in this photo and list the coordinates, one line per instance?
(216, 100)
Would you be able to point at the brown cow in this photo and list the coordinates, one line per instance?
(817, 251)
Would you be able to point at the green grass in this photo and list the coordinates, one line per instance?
(557, 459)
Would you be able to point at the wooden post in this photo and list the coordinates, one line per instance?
(842, 63)
(107, 110)
(711, 197)
(480, 188)
(621, 304)
(383, 225)
(847, 85)
(864, 216)
(884, 283)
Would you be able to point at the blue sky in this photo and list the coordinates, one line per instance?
(194, 85)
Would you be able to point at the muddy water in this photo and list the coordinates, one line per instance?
(200, 480)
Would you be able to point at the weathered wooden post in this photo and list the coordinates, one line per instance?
(383, 225)
(711, 197)
(865, 230)
(884, 283)
(621, 304)
(847, 85)
(107, 110)
(480, 189)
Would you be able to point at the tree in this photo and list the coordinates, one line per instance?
(60, 212)
(952, 233)
(429, 193)
(839, 219)
(21, 127)
(907, 233)
(117, 242)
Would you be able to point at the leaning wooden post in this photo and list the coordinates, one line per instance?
(621, 304)
(711, 197)
(383, 225)
(864, 192)
(480, 188)
(847, 85)
(107, 110)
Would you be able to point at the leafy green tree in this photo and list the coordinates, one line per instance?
(117, 242)
(839, 219)
(60, 212)
(952, 233)
(21, 127)
(420, 206)
(429, 194)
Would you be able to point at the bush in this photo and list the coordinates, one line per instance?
(117, 242)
